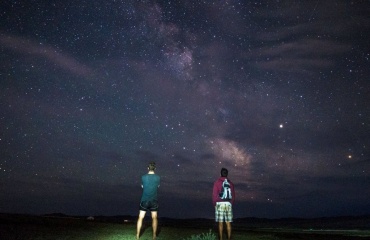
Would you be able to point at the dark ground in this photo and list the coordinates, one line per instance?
(59, 226)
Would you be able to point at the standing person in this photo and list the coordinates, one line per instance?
(149, 201)
(223, 200)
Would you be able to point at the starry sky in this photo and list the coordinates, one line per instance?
(276, 91)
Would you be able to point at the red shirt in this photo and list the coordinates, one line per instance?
(217, 186)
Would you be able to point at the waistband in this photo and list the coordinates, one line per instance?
(223, 203)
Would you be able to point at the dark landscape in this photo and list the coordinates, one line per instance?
(60, 226)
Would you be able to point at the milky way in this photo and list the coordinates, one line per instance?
(276, 92)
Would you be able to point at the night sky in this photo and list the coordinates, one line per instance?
(276, 91)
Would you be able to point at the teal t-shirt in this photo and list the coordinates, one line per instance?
(150, 184)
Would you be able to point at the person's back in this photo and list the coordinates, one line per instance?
(150, 184)
(218, 193)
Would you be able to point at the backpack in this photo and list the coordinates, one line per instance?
(225, 193)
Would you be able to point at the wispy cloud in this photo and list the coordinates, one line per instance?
(30, 47)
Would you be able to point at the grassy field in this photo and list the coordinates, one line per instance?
(13, 227)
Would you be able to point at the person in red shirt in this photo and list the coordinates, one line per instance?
(223, 198)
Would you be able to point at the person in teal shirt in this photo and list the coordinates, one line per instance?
(149, 200)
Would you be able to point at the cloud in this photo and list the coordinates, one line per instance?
(301, 55)
(30, 47)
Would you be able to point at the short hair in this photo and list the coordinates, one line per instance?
(224, 172)
(151, 166)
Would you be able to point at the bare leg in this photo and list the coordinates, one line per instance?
(154, 224)
(228, 227)
(139, 223)
(220, 229)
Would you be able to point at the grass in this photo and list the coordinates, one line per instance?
(204, 236)
(41, 228)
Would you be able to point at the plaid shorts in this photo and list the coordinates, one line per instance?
(224, 212)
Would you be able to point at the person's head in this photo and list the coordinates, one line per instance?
(151, 166)
(224, 172)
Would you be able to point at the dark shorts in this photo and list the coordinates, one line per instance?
(149, 206)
